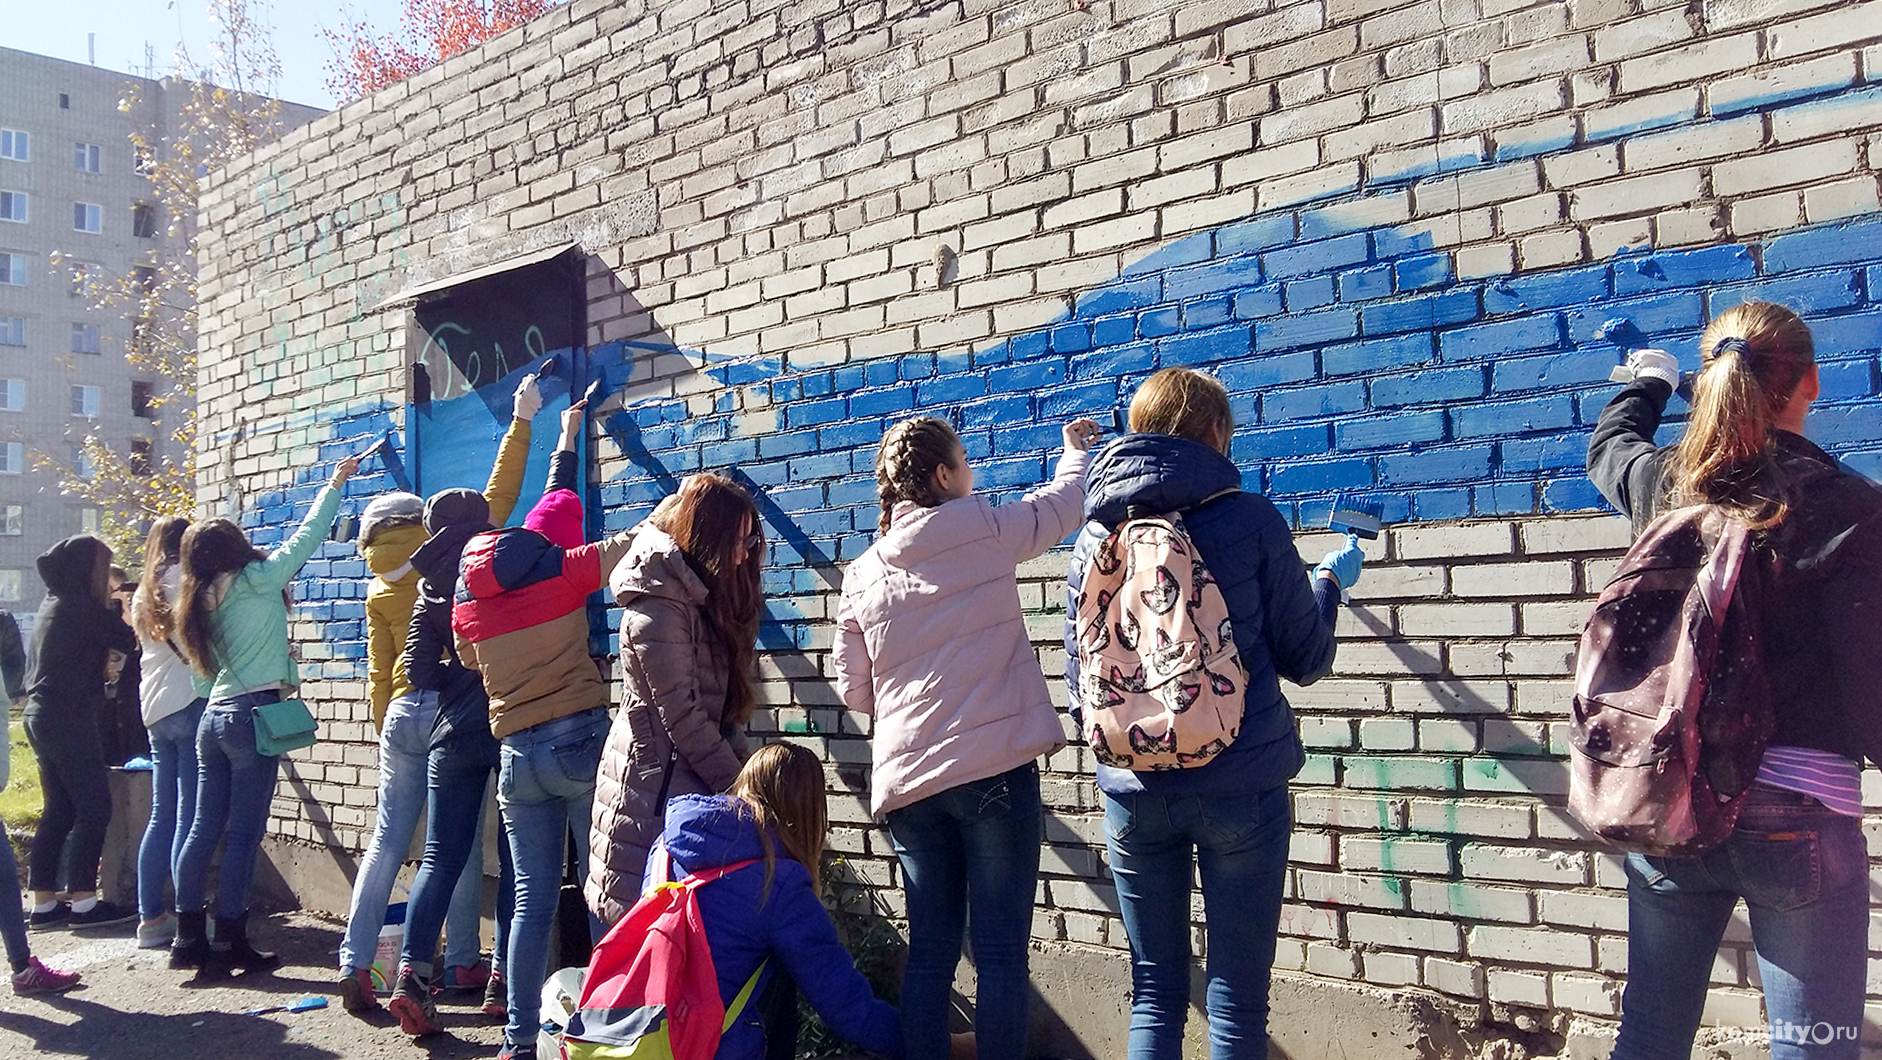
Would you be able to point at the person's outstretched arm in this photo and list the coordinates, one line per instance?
(1623, 461)
(285, 562)
(506, 476)
(1049, 514)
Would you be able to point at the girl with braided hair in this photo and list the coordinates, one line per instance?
(931, 642)
(1797, 854)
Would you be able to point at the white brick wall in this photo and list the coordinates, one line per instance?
(778, 179)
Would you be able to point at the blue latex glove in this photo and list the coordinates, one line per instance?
(1344, 563)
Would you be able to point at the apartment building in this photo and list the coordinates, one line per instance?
(76, 213)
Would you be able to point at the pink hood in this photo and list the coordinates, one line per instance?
(931, 641)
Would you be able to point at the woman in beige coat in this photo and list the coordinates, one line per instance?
(689, 591)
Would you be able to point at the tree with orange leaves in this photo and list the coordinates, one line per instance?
(431, 31)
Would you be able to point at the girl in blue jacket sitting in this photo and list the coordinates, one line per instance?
(769, 911)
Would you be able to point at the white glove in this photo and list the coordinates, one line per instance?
(527, 401)
(1654, 364)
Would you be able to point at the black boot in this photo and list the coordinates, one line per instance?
(190, 948)
(231, 951)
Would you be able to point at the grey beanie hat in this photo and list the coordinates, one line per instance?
(388, 511)
(453, 506)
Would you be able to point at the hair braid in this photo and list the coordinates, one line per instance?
(905, 464)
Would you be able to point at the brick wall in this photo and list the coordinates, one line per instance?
(1392, 229)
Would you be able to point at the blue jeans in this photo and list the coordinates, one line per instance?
(404, 747)
(172, 805)
(973, 847)
(235, 784)
(1803, 873)
(1239, 842)
(546, 785)
(454, 850)
(12, 916)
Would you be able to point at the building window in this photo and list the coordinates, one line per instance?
(85, 403)
(144, 221)
(12, 399)
(88, 520)
(84, 338)
(88, 217)
(65, 101)
(140, 334)
(13, 458)
(13, 206)
(144, 278)
(14, 145)
(140, 400)
(12, 331)
(10, 586)
(87, 158)
(13, 269)
(12, 520)
(82, 463)
(146, 163)
(140, 456)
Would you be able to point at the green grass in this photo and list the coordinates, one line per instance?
(22, 802)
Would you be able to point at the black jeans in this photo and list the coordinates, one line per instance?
(78, 798)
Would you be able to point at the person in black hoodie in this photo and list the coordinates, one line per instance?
(464, 755)
(73, 635)
(1797, 854)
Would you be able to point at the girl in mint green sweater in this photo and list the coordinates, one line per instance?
(234, 630)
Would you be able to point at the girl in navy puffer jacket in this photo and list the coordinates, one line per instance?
(1228, 817)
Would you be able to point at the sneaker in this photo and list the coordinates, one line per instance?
(518, 1052)
(51, 918)
(496, 997)
(412, 1004)
(464, 977)
(102, 914)
(36, 978)
(356, 992)
(156, 934)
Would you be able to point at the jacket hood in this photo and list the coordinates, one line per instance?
(1159, 472)
(392, 548)
(68, 567)
(499, 561)
(655, 565)
(437, 559)
(707, 831)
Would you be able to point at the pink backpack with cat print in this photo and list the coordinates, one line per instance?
(1160, 681)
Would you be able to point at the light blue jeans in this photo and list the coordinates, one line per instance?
(1803, 872)
(546, 785)
(235, 787)
(172, 805)
(404, 751)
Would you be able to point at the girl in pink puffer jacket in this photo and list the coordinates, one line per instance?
(930, 641)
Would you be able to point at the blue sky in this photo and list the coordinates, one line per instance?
(125, 26)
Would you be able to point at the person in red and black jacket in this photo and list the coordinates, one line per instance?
(520, 618)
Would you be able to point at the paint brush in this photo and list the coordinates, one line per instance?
(1359, 516)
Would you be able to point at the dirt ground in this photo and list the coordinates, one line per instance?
(132, 1006)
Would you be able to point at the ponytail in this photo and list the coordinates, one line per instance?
(1755, 356)
(905, 464)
